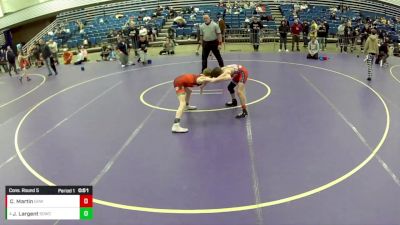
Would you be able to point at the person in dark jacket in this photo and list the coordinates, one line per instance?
(306, 31)
(383, 54)
(3, 61)
(10, 57)
(283, 30)
(47, 57)
(326, 24)
(122, 48)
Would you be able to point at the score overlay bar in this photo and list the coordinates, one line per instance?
(49, 203)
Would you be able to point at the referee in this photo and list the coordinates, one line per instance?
(211, 39)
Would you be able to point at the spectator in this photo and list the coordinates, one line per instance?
(180, 21)
(168, 47)
(143, 44)
(296, 29)
(383, 54)
(326, 24)
(105, 53)
(133, 35)
(306, 31)
(80, 57)
(341, 36)
(283, 30)
(3, 61)
(122, 48)
(321, 35)
(81, 26)
(371, 48)
(54, 50)
(255, 29)
(67, 56)
(84, 53)
(222, 27)
(313, 49)
(348, 32)
(113, 55)
(10, 57)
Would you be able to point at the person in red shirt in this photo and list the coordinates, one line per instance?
(182, 85)
(238, 75)
(296, 29)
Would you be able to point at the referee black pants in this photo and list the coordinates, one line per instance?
(213, 47)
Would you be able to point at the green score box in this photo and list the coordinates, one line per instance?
(86, 214)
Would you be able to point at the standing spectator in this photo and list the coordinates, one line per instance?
(47, 57)
(10, 57)
(313, 29)
(348, 35)
(306, 31)
(383, 54)
(54, 50)
(326, 24)
(143, 44)
(3, 61)
(211, 40)
(341, 36)
(313, 49)
(134, 35)
(296, 29)
(122, 48)
(222, 27)
(255, 29)
(321, 35)
(283, 30)
(371, 48)
(365, 32)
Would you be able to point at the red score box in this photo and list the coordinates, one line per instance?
(86, 201)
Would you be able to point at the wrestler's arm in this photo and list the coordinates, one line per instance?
(226, 75)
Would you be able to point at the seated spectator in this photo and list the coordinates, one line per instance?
(180, 21)
(67, 56)
(313, 49)
(113, 54)
(81, 27)
(119, 15)
(168, 47)
(105, 53)
(79, 58)
(84, 53)
(86, 43)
